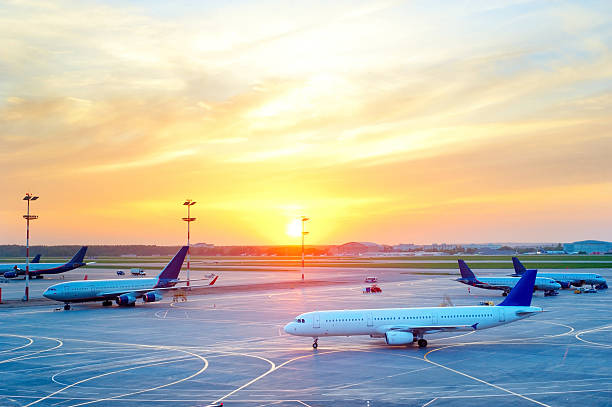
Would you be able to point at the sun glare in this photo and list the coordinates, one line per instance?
(294, 228)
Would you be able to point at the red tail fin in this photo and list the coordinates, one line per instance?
(214, 280)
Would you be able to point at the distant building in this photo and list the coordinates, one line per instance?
(405, 247)
(204, 245)
(359, 248)
(588, 246)
(487, 251)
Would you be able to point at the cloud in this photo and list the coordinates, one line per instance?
(419, 106)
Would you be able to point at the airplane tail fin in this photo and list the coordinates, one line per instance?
(172, 269)
(465, 270)
(519, 269)
(36, 259)
(79, 256)
(521, 293)
(214, 281)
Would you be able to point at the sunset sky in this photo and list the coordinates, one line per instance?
(385, 121)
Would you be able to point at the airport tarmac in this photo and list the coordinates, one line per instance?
(230, 347)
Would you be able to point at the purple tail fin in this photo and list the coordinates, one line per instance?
(172, 269)
(79, 256)
(521, 293)
(519, 269)
(465, 270)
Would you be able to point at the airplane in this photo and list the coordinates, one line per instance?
(565, 279)
(124, 291)
(549, 286)
(404, 326)
(37, 270)
(36, 259)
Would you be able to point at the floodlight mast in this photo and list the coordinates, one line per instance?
(28, 197)
(189, 203)
(304, 219)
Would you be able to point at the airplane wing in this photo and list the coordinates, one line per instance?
(140, 293)
(425, 328)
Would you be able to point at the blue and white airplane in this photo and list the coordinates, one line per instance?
(549, 286)
(124, 291)
(37, 270)
(566, 279)
(403, 326)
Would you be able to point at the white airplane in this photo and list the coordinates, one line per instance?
(36, 269)
(124, 291)
(403, 326)
(566, 279)
(548, 285)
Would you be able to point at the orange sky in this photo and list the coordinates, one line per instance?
(387, 121)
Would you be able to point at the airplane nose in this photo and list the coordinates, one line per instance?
(288, 327)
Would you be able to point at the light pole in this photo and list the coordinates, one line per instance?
(304, 219)
(28, 197)
(189, 203)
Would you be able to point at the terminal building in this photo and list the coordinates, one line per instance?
(588, 247)
(359, 248)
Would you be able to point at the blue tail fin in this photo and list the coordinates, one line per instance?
(518, 266)
(465, 270)
(521, 293)
(36, 259)
(172, 269)
(79, 256)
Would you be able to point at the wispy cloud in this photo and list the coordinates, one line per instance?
(369, 108)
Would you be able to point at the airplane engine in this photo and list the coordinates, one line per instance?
(10, 274)
(151, 297)
(126, 299)
(399, 338)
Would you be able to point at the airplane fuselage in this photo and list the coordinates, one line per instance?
(507, 283)
(93, 290)
(576, 279)
(377, 322)
(40, 268)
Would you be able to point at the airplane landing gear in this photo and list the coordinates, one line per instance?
(505, 293)
(66, 307)
(315, 344)
(422, 343)
(107, 303)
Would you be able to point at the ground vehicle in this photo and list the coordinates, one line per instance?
(372, 289)
(370, 280)
(120, 273)
(590, 290)
(550, 293)
(488, 303)
(138, 272)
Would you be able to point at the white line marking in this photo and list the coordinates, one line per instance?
(60, 343)
(477, 379)
(429, 402)
(19, 347)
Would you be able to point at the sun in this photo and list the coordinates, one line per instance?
(294, 228)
